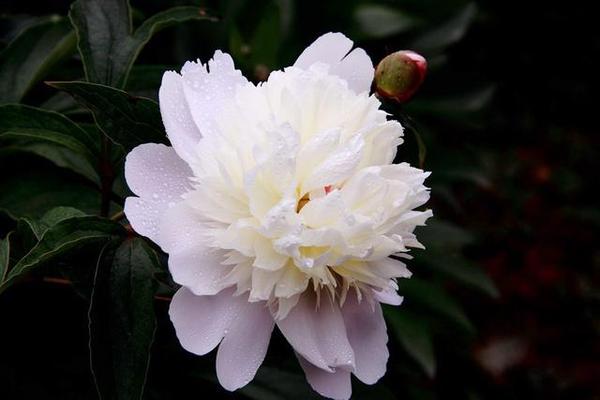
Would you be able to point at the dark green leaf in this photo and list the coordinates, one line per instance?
(34, 186)
(60, 156)
(31, 54)
(444, 242)
(59, 239)
(447, 33)
(127, 120)
(4, 256)
(122, 320)
(104, 28)
(155, 24)
(436, 299)
(63, 103)
(144, 80)
(462, 270)
(267, 39)
(444, 235)
(51, 218)
(50, 135)
(379, 21)
(414, 335)
(455, 107)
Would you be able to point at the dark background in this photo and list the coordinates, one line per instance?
(508, 116)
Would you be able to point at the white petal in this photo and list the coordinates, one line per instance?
(181, 229)
(155, 172)
(329, 48)
(201, 321)
(388, 296)
(319, 335)
(367, 334)
(357, 69)
(316, 150)
(335, 385)
(266, 257)
(245, 345)
(390, 268)
(208, 92)
(323, 211)
(263, 283)
(335, 168)
(199, 269)
(332, 49)
(144, 217)
(181, 129)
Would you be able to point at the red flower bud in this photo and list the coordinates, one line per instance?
(399, 75)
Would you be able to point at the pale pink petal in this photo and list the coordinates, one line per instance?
(177, 119)
(357, 69)
(207, 92)
(388, 296)
(319, 335)
(329, 48)
(199, 269)
(332, 49)
(181, 229)
(245, 345)
(155, 172)
(201, 321)
(367, 334)
(335, 385)
(144, 216)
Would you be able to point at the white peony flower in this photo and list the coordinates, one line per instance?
(278, 204)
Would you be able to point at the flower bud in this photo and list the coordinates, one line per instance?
(399, 75)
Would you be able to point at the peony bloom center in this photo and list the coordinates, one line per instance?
(294, 183)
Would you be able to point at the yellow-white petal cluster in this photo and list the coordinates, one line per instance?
(294, 184)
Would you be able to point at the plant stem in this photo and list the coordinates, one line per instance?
(118, 216)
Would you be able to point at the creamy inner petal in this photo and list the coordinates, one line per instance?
(295, 183)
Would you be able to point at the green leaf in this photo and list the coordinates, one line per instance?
(4, 256)
(51, 218)
(444, 236)
(444, 242)
(462, 270)
(448, 32)
(104, 28)
(455, 107)
(155, 24)
(63, 103)
(414, 335)
(59, 239)
(34, 186)
(127, 120)
(50, 135)
(144, 80)
(267, 38)
(436, 299)
(122, 320)
(33, 53)
(379, 21)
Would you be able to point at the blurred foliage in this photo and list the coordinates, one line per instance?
(502, 305)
